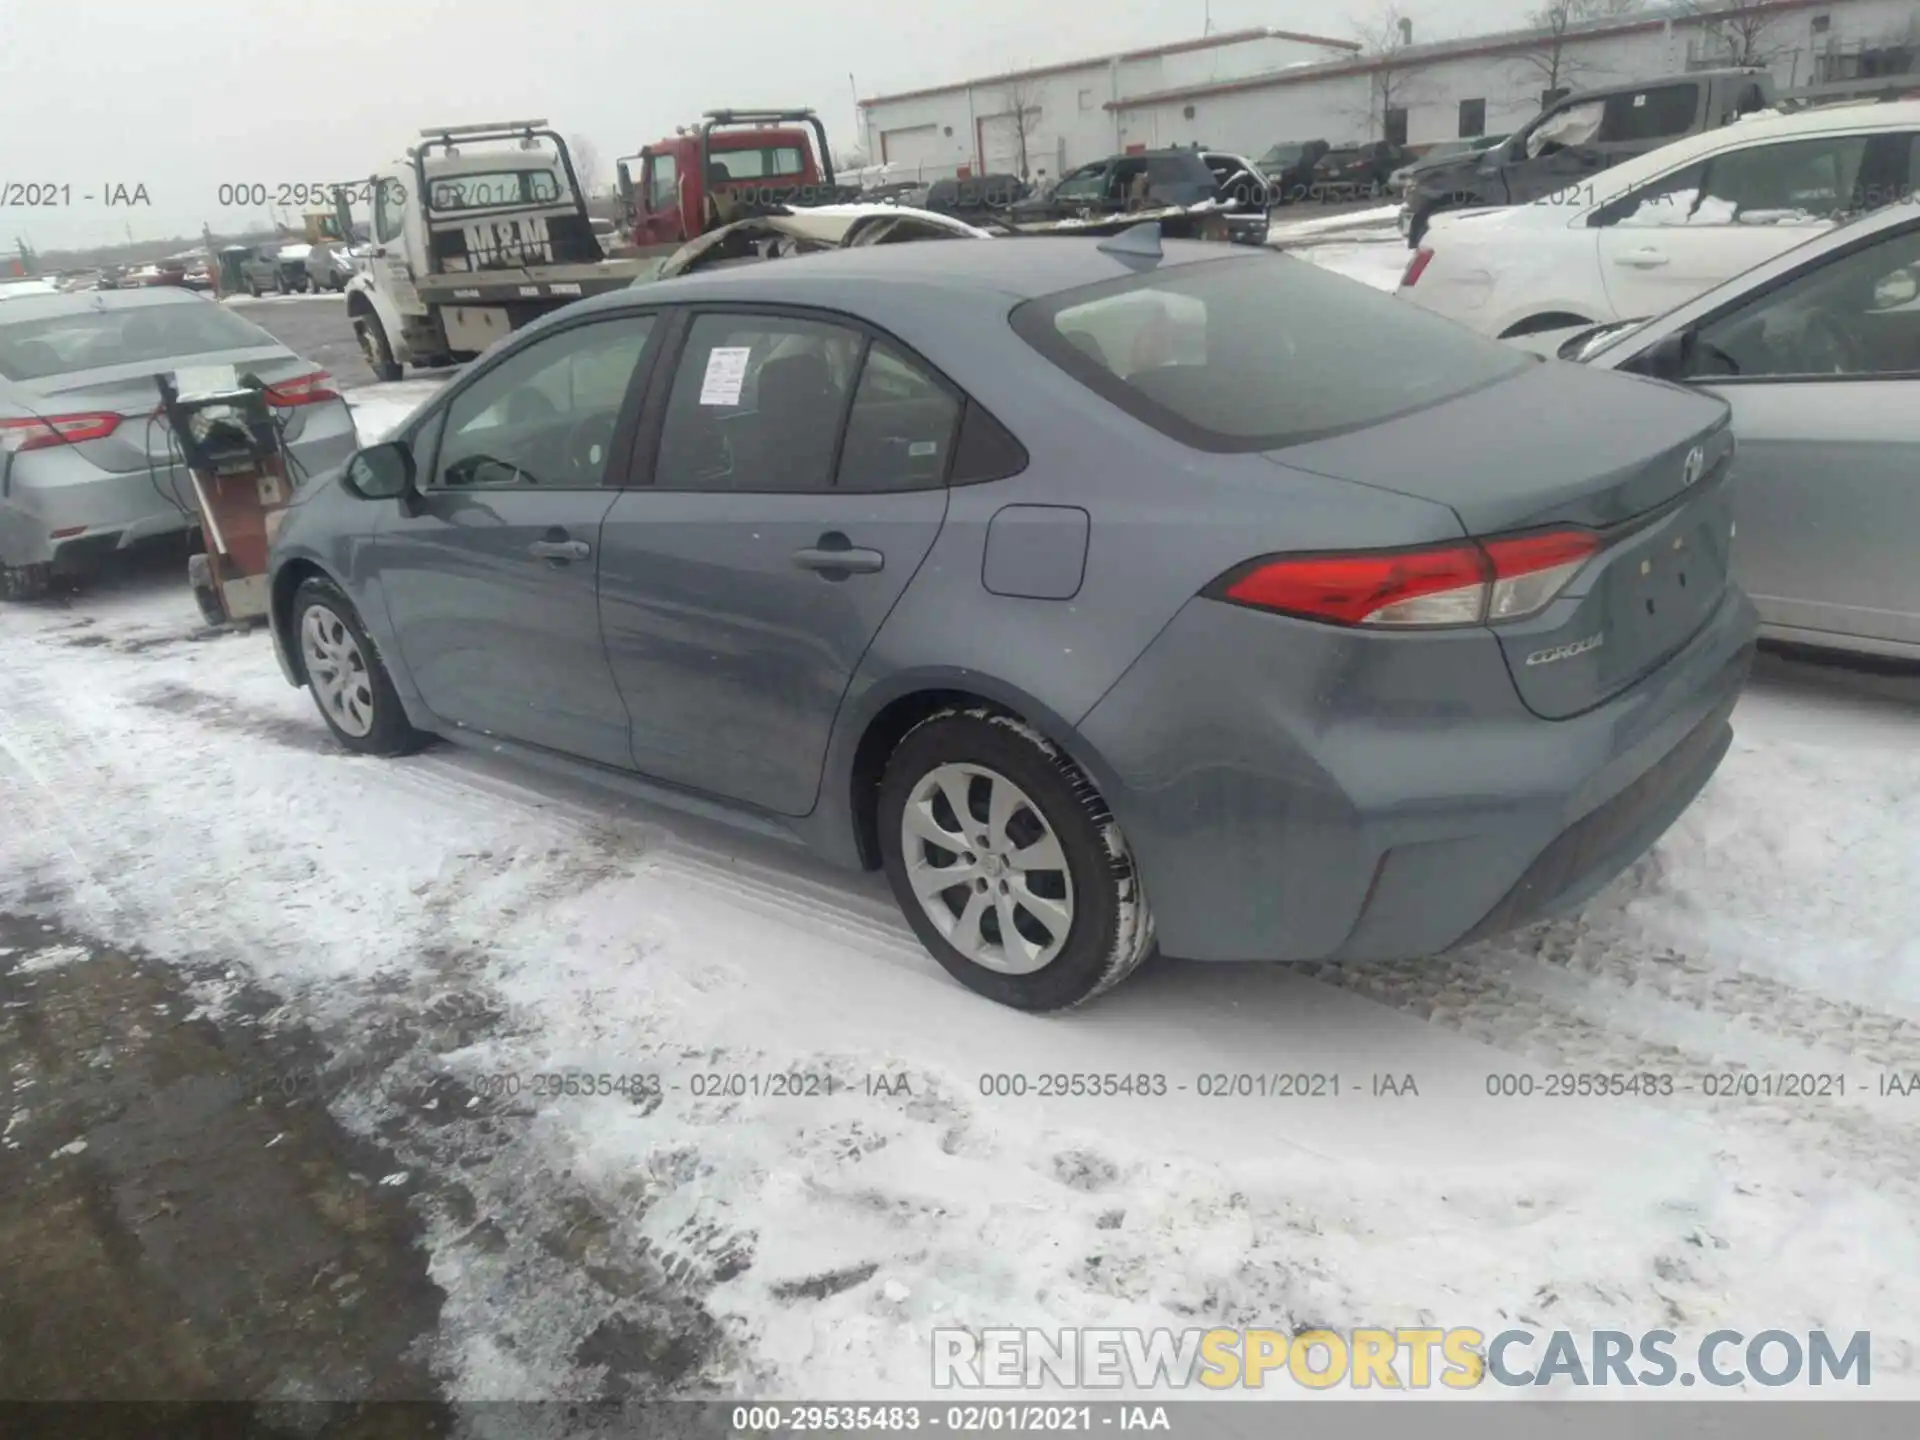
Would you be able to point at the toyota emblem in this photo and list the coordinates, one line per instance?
(1696, 463)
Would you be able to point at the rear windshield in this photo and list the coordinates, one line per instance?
(497, 187)
(760, 162)
(92, 339)
(1234, 354)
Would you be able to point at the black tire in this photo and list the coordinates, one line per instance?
(390, 733)
(25, 582)
(213, 608)
(280, 283)
(253, 288)
(373, 344)
(1111, 931)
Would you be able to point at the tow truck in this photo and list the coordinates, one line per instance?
(479, 230)
(730, 166)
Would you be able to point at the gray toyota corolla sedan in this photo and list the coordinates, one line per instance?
(1107, 594)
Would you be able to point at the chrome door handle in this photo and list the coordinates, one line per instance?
(560, 549)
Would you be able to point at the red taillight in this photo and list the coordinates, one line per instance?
(1472, 583)
(39, 433)
(1417, 266)
(303, 390)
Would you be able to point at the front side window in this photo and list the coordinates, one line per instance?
(1858, 315)
(388, 211)
(546, 416)
(663, 193)
(757, 404)
(1223, 355)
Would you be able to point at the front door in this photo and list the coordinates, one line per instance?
(1823, 374)
(660, 213)
(491, 586)
(795, 487)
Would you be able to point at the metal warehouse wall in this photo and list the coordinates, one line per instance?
(1069, 121)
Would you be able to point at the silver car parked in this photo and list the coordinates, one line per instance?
(86, 462)
(1818, 353)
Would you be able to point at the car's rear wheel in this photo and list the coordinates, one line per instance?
(253, 288)
(349, 682)
(372, 336)
(1008, 864)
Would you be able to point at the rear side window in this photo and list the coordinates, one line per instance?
(1656, 114)
(1230, 354)
(1178, 170)
(125, 335)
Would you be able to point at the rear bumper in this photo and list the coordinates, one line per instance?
(1298, 792)
(58, 506)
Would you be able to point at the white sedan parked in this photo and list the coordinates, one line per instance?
(1660, 229)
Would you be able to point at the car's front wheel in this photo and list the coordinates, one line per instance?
(1008, 864)
(345, 673)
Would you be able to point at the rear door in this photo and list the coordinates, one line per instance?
(1681, 235)
(491, 584)
(1823, 374)
(790, 480)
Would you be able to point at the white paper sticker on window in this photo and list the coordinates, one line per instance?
(923, 447)
(726, 373)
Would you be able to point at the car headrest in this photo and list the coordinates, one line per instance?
(792, 384)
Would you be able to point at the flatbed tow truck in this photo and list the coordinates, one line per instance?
(476, 232)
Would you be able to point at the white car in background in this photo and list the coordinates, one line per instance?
(1658, 230)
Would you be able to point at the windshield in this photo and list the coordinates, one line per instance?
(1283, 154)
(1221, 355)
(90, 339)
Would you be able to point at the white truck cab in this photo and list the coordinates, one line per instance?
(479, 230)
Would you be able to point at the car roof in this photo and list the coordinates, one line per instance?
(1018, 267)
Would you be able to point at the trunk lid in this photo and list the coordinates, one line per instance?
(129, 392)
(1547, 449)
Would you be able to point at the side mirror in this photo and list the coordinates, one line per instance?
(1668, 358)
(380, 472)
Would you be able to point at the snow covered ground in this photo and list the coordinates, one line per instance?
(465, 926)
(1364, 245)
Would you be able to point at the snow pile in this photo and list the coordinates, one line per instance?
(826, 1149)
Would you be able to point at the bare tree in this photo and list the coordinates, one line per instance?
(586, 164)
(1022, 115)
(1392, 79)
(1550, 61)
(1737, 32)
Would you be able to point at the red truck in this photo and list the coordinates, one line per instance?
(731, 165)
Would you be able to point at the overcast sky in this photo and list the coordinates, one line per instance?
(185, 95)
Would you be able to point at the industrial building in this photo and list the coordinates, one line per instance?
(1249, 89)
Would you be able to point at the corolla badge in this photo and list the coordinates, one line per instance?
(1694, 467)
(1567, 651)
